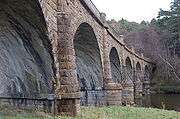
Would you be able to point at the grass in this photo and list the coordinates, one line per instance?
(95, 113)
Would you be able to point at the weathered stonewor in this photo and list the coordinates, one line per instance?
(146, 80)
(128, 94)
(113, 91)
(69, 88)
(146, 87)
(138, 81)
(138, 85)
(44, 34)
(138, 90)
(128, 91)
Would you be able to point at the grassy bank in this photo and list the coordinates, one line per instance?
(96, 113)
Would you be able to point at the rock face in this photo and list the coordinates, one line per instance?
(26, 63)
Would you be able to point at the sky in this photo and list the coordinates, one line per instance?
(132, 10)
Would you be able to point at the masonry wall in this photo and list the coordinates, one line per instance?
(26, 58)
(50, 47)
(79, 13)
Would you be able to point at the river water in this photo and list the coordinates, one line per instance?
(161, 101)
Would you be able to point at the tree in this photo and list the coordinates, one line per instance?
(153, 22)
(169, 21)
(143, 23)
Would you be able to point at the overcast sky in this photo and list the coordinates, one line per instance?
(132, 10)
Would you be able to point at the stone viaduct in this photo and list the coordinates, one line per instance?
(91, 63)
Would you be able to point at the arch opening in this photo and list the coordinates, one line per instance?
(138, 71)
(146, 74)
(138, 66)
(128, 63)
(138, 83)
(129, 70)
(128, 84)
(26, 61)
(115, 66)
(89, 66)
(146, 81)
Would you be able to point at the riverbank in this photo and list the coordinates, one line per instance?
(166, 87)
(94, 113)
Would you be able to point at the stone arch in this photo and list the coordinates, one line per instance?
(115, 65)
(146, 80)
(128, 63)
(77, 22)
(26, 50)
(138, 72)
(138, 81)
(128, 71)
(146, 73)
(129, 68)
(128, 84)
(89, 66)
(138, 66)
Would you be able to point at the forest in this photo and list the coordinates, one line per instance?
(159, 40)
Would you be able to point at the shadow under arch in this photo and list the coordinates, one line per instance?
(89, 66)
(128, 84)
(138, 72)
(26, 50)
(115, 65)
(146, 73)
(138, 66)
(146, 80)
(128, 63)
(138, 84)
(129, 70)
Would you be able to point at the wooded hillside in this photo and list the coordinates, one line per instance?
(158, 40)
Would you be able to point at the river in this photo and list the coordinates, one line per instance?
(161, 101)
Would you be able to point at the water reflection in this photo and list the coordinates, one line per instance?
(161, 101)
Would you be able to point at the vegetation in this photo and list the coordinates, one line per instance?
(123, 26)
(169, 21)
(160, 41)
(9, 112)
(96, 113)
